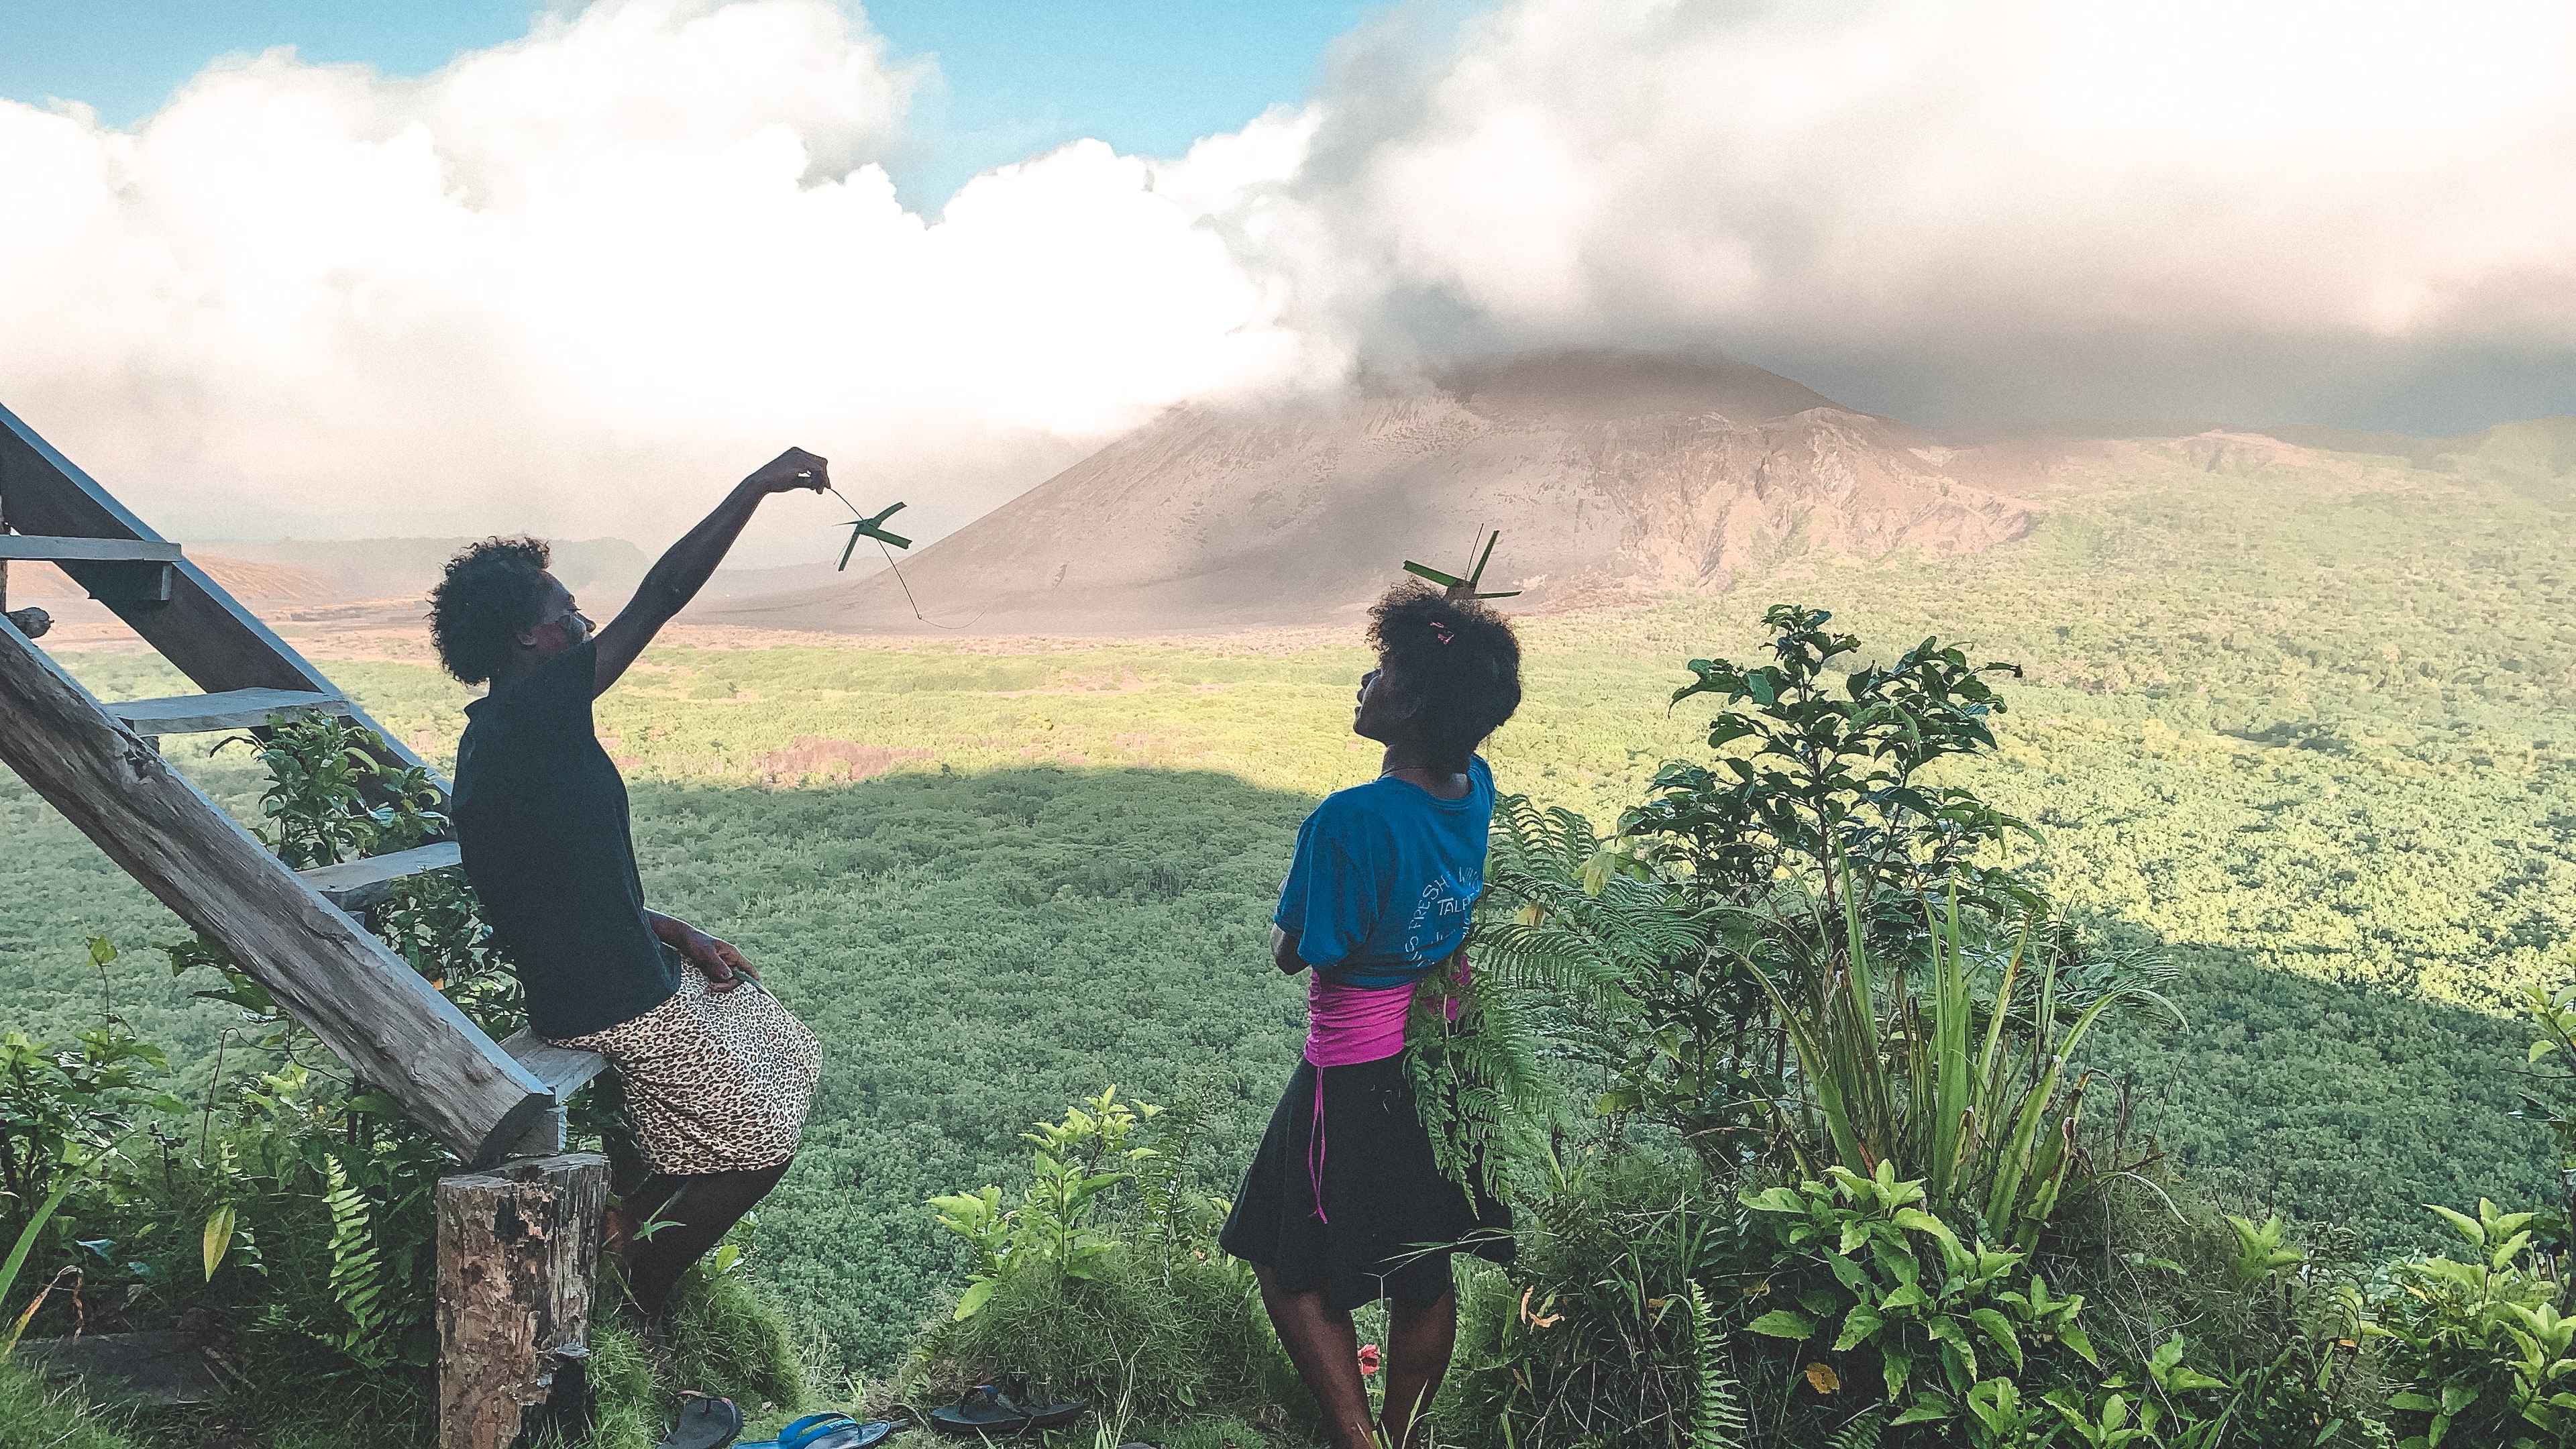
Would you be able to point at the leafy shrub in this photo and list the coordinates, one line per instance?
(1594, 1338)
(1104, 1283)
(1880, 1283)
(2481, 1344)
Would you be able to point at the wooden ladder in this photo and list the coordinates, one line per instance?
(513, 1309)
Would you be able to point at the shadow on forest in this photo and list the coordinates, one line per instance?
(2330, 1102)
(977, 951)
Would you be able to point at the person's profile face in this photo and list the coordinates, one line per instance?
(561, 626)
(1376, 706)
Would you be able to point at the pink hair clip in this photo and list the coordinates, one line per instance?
(1440, 631)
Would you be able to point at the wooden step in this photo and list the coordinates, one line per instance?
(114, 570)
(563, 1070)
(354, 885)
(236, 709)
(50, 549)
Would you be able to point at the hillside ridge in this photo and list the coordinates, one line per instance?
(1611, 475)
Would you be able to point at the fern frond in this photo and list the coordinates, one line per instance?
(1861, 1433)
(1717, 1415)
(358, 1279)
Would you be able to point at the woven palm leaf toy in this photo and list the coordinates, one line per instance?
(864, 526)
(1458, 588)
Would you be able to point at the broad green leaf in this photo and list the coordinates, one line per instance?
(1859, 1326)
(974, 1297)
(1773, 1200)
(1998, 1328)
(1784, 1323)
(2461, 1223)
(218, 1238)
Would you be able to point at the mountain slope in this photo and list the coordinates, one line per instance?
(1610, 475)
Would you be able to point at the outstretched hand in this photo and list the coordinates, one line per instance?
(794, 468)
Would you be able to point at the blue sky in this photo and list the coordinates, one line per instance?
(1018, 76)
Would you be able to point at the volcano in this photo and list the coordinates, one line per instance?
(1613, 476)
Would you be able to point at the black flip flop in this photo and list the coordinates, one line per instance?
(705, 1423)
(989, 1409)
(983, 1409)
(1041, 1416)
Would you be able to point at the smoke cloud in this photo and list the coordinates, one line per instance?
(578, 282)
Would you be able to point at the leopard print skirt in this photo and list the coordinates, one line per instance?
(714, 1081)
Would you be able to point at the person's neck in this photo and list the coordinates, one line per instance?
(1412, 763)
(520, 664)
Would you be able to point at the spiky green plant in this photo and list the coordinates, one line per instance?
(1985, 1124)
(1717, 1415)
(358, 1278)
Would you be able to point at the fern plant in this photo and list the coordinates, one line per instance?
(1717, 1416)
(358, 1278)
(1486, 1084)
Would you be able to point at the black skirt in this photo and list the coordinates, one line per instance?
(1386, 1220)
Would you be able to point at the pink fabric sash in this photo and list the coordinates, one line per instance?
(1349, 1025)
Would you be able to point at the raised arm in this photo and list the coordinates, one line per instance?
(676, 579)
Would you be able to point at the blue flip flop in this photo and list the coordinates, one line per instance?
(827, 1431)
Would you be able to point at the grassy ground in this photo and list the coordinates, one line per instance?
(2302, 727)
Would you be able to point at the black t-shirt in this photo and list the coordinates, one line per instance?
(541, 817)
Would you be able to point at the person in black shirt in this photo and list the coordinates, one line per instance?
(716, 1073)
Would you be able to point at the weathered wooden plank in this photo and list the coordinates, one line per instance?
(86, 550)
(60, 548)
(354, 885)
(234, 709)
(362, 1000)
(201, 629)
(564, 1070)
(518, 1265)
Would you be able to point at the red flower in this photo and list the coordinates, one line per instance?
(1368, 1359)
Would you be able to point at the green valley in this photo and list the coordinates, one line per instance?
(2297, 720)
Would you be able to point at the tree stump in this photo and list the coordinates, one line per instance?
(518, 1258)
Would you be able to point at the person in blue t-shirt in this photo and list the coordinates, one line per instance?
(1344, 1204)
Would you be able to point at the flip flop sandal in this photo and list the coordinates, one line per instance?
(705, 1422)
(827, 1431)
(1041, 1416)
(982, 1409)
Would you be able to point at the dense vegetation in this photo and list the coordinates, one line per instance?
(2290, 725)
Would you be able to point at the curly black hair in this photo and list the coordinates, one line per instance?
(490, 592)
(1454, 663)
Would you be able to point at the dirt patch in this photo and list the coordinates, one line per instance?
(811, 756)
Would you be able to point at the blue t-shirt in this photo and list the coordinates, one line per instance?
(1385, 876)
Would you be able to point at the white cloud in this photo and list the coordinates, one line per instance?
(2175, 198)
(580, 281)
(577, 282)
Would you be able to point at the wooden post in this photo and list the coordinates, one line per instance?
(518, 1258)
(327, 971)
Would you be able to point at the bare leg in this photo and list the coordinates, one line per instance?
(1325, 1346)
(1418, 1349)
(698, 1209)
